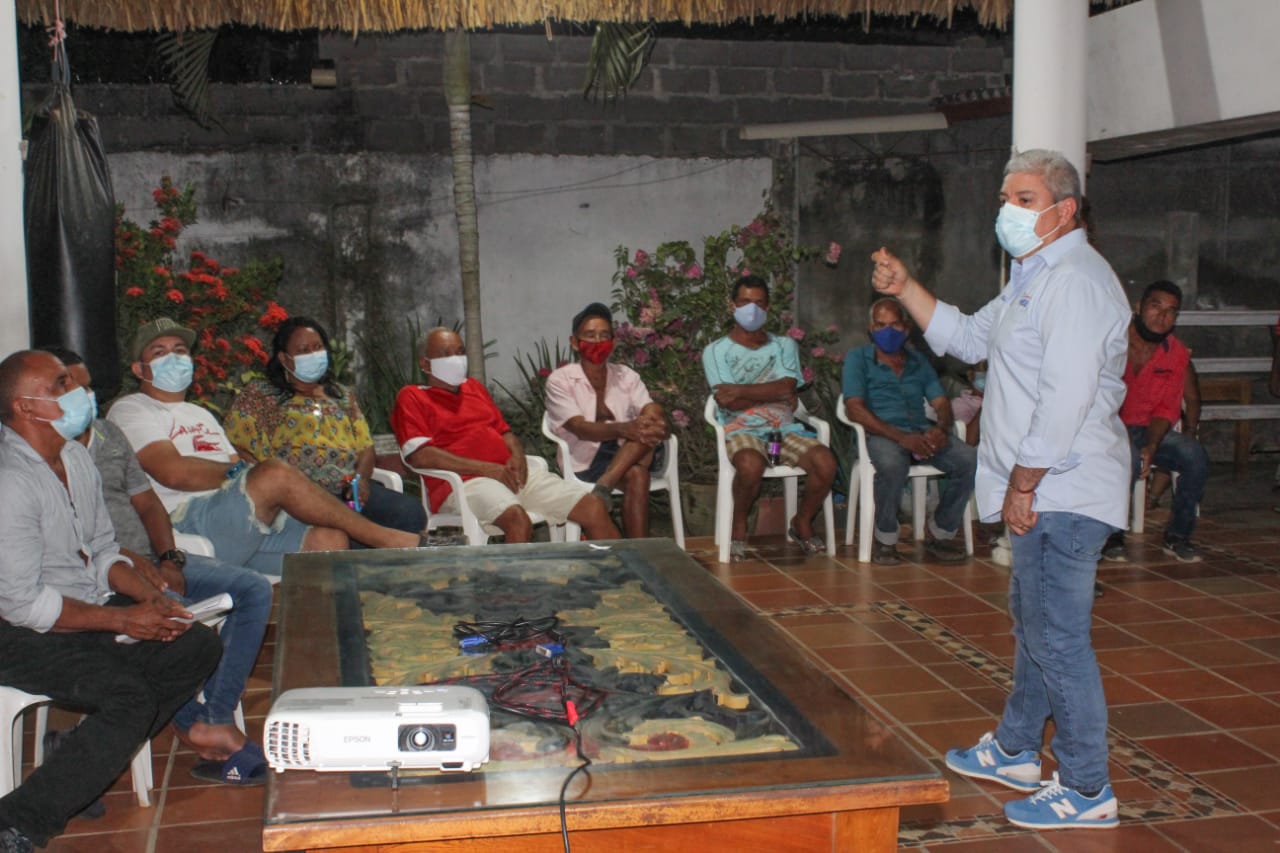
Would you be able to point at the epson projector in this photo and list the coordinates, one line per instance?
(442, 727)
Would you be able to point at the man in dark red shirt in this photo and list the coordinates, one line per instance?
(453, 423)
(1155, 376)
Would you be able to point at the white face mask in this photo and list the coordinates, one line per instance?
(750, 316)
(451, 370)
(1016, 229)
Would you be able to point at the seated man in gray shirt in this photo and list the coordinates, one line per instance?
(145, 535)
(65, 592)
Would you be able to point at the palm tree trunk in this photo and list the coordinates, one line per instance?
(457, 90)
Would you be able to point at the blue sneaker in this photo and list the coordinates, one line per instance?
(988, 761)
(1056, 807)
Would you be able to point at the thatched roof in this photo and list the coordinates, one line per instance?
(390, 15)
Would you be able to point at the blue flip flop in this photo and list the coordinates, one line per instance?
(247, 767)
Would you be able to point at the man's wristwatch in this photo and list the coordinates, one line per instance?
(173, 555)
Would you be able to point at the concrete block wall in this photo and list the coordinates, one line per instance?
(690, 101)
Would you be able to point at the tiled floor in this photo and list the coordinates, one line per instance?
(1190, 656)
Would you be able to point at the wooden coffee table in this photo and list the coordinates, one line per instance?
(841, 789)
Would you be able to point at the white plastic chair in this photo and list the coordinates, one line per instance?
(12, 703)
(477, 533)
(863, 475)
(789, 473)
(668, 480)
(389, 479)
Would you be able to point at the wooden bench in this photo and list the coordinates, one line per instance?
(1226, 384)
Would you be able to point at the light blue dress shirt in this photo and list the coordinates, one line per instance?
(53, 543)
(1055, 341)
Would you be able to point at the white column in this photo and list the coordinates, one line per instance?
(15, 330)
(1050, 52)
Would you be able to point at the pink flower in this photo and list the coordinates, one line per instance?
(641, 358)
(642, 258)
(631, 272)
(693, 271)
(795, 333)
(833, 329)
(647, 316)
(819, 352)
(758, 228)
(808, 374)
(833, 254)
(837, 357)
(680, 418)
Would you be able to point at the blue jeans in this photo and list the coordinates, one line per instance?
(392, 509)
(1186, 456)
(957, 460)
(241, 636)
(1055, 672)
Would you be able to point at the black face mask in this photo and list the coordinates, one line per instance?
(1145, 332)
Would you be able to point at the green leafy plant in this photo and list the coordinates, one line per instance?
(186, 58)
(619, 52)
(232, 310)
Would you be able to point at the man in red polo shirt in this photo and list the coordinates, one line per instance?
(1154, 377)
(452, 423)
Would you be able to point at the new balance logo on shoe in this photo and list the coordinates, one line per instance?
(988, 761)
(1063, 809)
(1060, 807)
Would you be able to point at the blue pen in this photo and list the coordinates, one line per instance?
(355, 493)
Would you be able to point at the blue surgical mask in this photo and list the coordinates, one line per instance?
(750, 316)
(172, 372)
(77, 412)
(93, 402)
(980, 381)
(311, 366)
(1016, 229)
(889, 339)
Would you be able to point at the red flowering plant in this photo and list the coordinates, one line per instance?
(232, 310)
(670, 305)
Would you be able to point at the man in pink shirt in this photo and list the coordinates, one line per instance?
(603, 410)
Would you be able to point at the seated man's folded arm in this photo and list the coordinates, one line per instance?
(860, 413)
(430, 456)
(163, 462)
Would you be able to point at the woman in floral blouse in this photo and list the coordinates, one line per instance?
(301, 415)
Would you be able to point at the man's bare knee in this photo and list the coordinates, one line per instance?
(593, 516)
(749, 466)
(515, 524)
(325, 539)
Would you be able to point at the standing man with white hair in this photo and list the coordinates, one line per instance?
(1053, 463)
